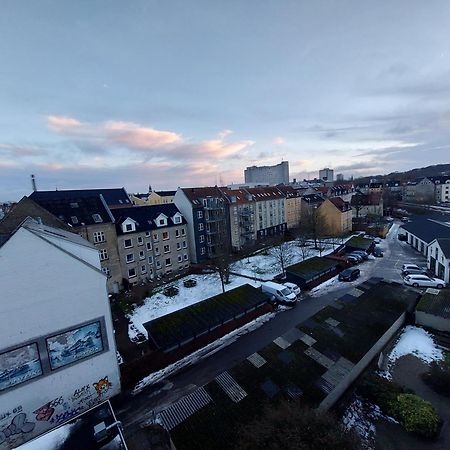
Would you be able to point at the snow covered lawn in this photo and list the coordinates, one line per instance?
(159, 305)
(266, 267)
(418, 342)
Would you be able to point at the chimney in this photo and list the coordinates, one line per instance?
(33, 183)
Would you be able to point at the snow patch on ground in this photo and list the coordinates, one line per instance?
(325, 287)
(202, 353)
(360, 416)
(159, 305)
(52, 440)
(414, 341)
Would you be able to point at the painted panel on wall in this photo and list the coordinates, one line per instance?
(19, 365)
(73, 345)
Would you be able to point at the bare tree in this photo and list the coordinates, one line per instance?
(358, 202)
(314, 225)
(282, 251)
(303, 245)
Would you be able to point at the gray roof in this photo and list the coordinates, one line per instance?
(436, 304)
(444, 243)
(427, 230)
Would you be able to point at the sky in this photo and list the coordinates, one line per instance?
(109, 93)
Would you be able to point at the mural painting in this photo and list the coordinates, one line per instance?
(73, 345)
(19, 365)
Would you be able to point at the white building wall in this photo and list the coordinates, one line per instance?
(43, 292)
(185, 207)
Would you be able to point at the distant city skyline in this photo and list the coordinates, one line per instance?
(175, 93)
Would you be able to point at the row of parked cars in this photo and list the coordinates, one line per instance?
(416, 276)
(284, 294)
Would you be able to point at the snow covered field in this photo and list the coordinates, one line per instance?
(159, 305)
(266, 267)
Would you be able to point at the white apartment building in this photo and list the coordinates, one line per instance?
(57, 349)
(326, 174)
(272, 175)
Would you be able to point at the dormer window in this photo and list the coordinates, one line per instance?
(74, 219)
(128, 227)
(176, 219)
(161, 220)
(97, 218)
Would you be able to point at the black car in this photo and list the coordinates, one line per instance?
(377, 252)
(349, 274)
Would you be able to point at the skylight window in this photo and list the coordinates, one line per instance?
(74, 219)
(97, 218)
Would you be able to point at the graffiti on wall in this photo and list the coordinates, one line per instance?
(16, 428)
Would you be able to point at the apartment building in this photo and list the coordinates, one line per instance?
(367, 204)
(206, 212)
(308, 203)
(338, 215)
(326, 174)
(57, 349)
(89, 213)
(153, 198)
(443, 191)
(151, 241)
(242, 219)
(269, 211)
(273, 175)
(292, 206)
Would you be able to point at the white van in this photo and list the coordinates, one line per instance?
(281, 293)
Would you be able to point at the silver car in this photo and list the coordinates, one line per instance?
(424, 281)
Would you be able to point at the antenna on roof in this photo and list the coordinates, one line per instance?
(33, 183)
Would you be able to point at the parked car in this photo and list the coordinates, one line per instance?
(423, 281)
(377, 252)
(361, 253)
(410, 266)
(414, 272)
(281, 293)
(293, 287)
(357, 256)
(352, 259)
(349, 274)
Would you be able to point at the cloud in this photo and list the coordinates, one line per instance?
(279, 141)
(63, 124)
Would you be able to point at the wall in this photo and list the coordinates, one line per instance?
(42, 295)
(185, 207)
(431, 321)
(363, 363)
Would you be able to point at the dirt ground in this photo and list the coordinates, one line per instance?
(389, 436)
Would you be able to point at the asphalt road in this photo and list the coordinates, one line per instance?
(136, 410)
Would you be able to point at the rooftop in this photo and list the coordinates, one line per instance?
(435, 302)
(427, 229)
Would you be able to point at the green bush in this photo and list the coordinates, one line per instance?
(417, 415)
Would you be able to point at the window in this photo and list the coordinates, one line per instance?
(147, 234)
(185, 257)
(167, 248)
(127, 243)
(165, 235)
(140, 240)
(141, 254)
(103, 254)
(202, 251)
(178, 245)
(177, 219)
(74, 219)
(158, 264)
(150, 259)
(184, 244)
(130, 257)
(201, 238)
(155, 237)
(75, 344)
(129, 227)
(200, 214)
(180, 258)
(97, 218)
(143, 269)
(177, 233)
(157, 251)
(149, 246)
(168, 262)
(19, 365)
(150, 271)
(131, 272)
(183, 232)
(162, 222)
(99, 236)
(106, 271)
(201, 227)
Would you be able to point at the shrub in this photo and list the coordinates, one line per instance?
(438, 378)
(417, 415)
(170, 291)
(290, 426)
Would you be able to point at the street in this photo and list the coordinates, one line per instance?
(136, 410)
